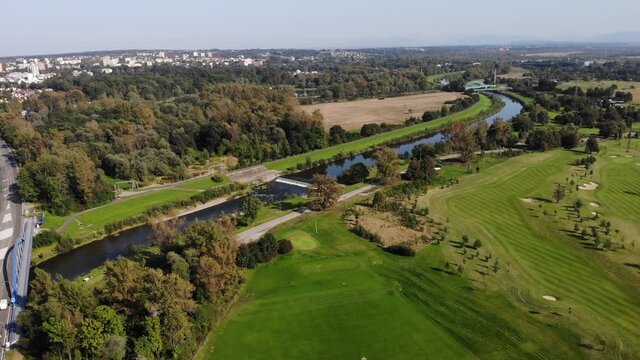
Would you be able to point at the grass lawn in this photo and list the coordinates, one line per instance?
(204, 184)
(589, 131)
(274, 211)
(363, 144)
(339, 297)
(95, 220)
(52, 221)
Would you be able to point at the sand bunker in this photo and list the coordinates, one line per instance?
(613, 156)
(550, 298)
(594, 213)
(628, 156)
(590, 186)
(530, 200)
(595, 205)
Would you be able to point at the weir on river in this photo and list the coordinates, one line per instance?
(83, 259)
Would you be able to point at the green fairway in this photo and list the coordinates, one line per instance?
(363, 144)
(540, 256)
(338, 296)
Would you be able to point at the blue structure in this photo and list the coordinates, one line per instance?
(20, 276)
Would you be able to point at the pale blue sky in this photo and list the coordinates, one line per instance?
(54, 26)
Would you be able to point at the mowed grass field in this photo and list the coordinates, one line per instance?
(627, 86)
(339, 297)
(537, 251)
(362, 144)
(392, 110)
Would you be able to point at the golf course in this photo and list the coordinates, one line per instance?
(534, 289)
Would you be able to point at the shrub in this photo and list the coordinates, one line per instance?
(403, 249)
(217, 178)
(65, 244)
(364, 233)
(284, 246)
(46, 238)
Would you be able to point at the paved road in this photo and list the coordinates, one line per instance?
(256, 232)
(10, 225)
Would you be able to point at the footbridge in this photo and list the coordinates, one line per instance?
(292, 182)
(19, 277)
(478, 86)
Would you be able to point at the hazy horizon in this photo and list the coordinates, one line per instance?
(72, 26)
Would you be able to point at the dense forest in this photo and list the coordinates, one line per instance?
(69, 141)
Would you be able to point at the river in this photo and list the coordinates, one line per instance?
(83, 259)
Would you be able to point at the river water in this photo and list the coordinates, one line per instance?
(87, 257)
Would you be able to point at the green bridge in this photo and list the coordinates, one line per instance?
(477, 86)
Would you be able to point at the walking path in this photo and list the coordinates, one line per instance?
(256, 232)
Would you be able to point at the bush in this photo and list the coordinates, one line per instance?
(261, 251)
(65, 244)
(46, 238)
(217, 178)
(403, 249)
(364, 233)
(284, 246)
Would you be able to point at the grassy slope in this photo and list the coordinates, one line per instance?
(363, 144)
(96, 219)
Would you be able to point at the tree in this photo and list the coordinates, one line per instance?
(179, 265)
(324, 192)
(461, 136)
(91, 337)
(477, 244)
(112, 323)
(424, 169)
(249, 210)
(558, 193)
(569, 136)
(115, 348)
(358, 172)
(149, 345)
(165, 230)
(387, 163)
(592, 145)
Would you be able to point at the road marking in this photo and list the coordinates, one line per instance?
(6, 218)
(3, 252)
(6, 234)
(8, 205)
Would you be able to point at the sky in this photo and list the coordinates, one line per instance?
(59, 26)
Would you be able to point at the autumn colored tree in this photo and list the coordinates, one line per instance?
(461, 136)
(324, 192)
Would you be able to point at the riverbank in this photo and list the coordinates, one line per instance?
(478, 109)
